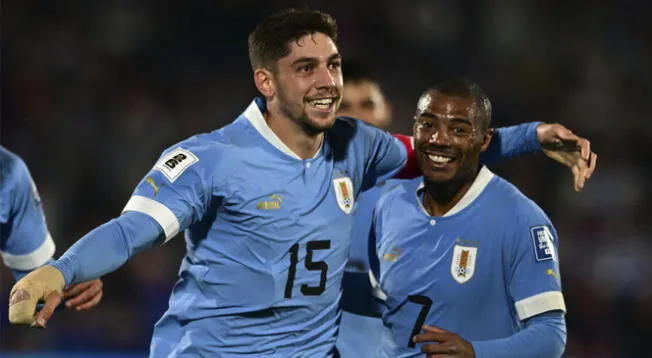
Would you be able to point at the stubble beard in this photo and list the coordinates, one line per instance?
(297, 113)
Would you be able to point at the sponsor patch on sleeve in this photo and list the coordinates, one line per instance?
(173, 164)
(544, 248)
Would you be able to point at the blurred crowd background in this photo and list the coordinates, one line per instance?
(93, 91)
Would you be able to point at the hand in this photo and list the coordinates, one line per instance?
(448, 344)
(43, 284)
(560, 144)
(83, 296)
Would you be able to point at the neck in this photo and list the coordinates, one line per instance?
(439, 197)
(303, 143)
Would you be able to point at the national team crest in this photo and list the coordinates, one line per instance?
(463, 264)
(344, 193)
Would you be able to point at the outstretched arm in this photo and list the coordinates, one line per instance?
(108, 247)
(99, 252)
(169, 199)
(512, 141)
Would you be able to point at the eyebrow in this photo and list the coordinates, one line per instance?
(335, 56)
(454, 119)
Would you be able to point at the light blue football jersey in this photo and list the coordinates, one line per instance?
(479, 271)
(25, 242)
(267, 235)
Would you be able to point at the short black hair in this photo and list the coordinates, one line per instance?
(356, 71)
(460, 86)
(270, 40)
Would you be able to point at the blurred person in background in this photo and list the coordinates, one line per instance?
(25, 241)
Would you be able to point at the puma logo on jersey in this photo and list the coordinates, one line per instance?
(173, 164)
(273, 204)
(151, 182)
(393, 255)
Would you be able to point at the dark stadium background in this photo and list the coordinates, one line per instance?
(93, 91)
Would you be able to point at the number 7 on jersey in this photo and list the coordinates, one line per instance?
(421, 319)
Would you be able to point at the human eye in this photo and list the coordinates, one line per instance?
(307, 68)
(335, 65)
(461, 130)
(424, 123)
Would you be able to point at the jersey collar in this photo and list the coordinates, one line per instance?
(479, 184)
(254, 113)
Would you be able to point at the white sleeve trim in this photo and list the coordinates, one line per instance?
(157, 211)
(32, 260)
(376, 291)
(540, 303)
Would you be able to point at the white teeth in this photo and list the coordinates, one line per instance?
(322, 103)
(439, 159)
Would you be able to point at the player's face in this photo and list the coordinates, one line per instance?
(309, 82)
(365, 101)
(448, 137)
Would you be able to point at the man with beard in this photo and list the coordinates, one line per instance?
(265, 204)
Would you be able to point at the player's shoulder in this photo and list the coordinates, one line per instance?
(15, 181)
(513, 205)
(352, 126)
(215, 144)
(398, 191)
(13, 168)
(521, 219)
(345, 123)
(201, 153)
(198, 144)
(348, 128)
(9, 158)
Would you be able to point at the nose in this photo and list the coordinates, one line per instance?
(325, 78)
(440, 137)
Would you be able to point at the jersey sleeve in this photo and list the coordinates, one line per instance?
(26, 243)
(512, 141)
(176, 192)
(386, 155)
(534, 281)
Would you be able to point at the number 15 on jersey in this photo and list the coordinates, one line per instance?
(310, 265)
